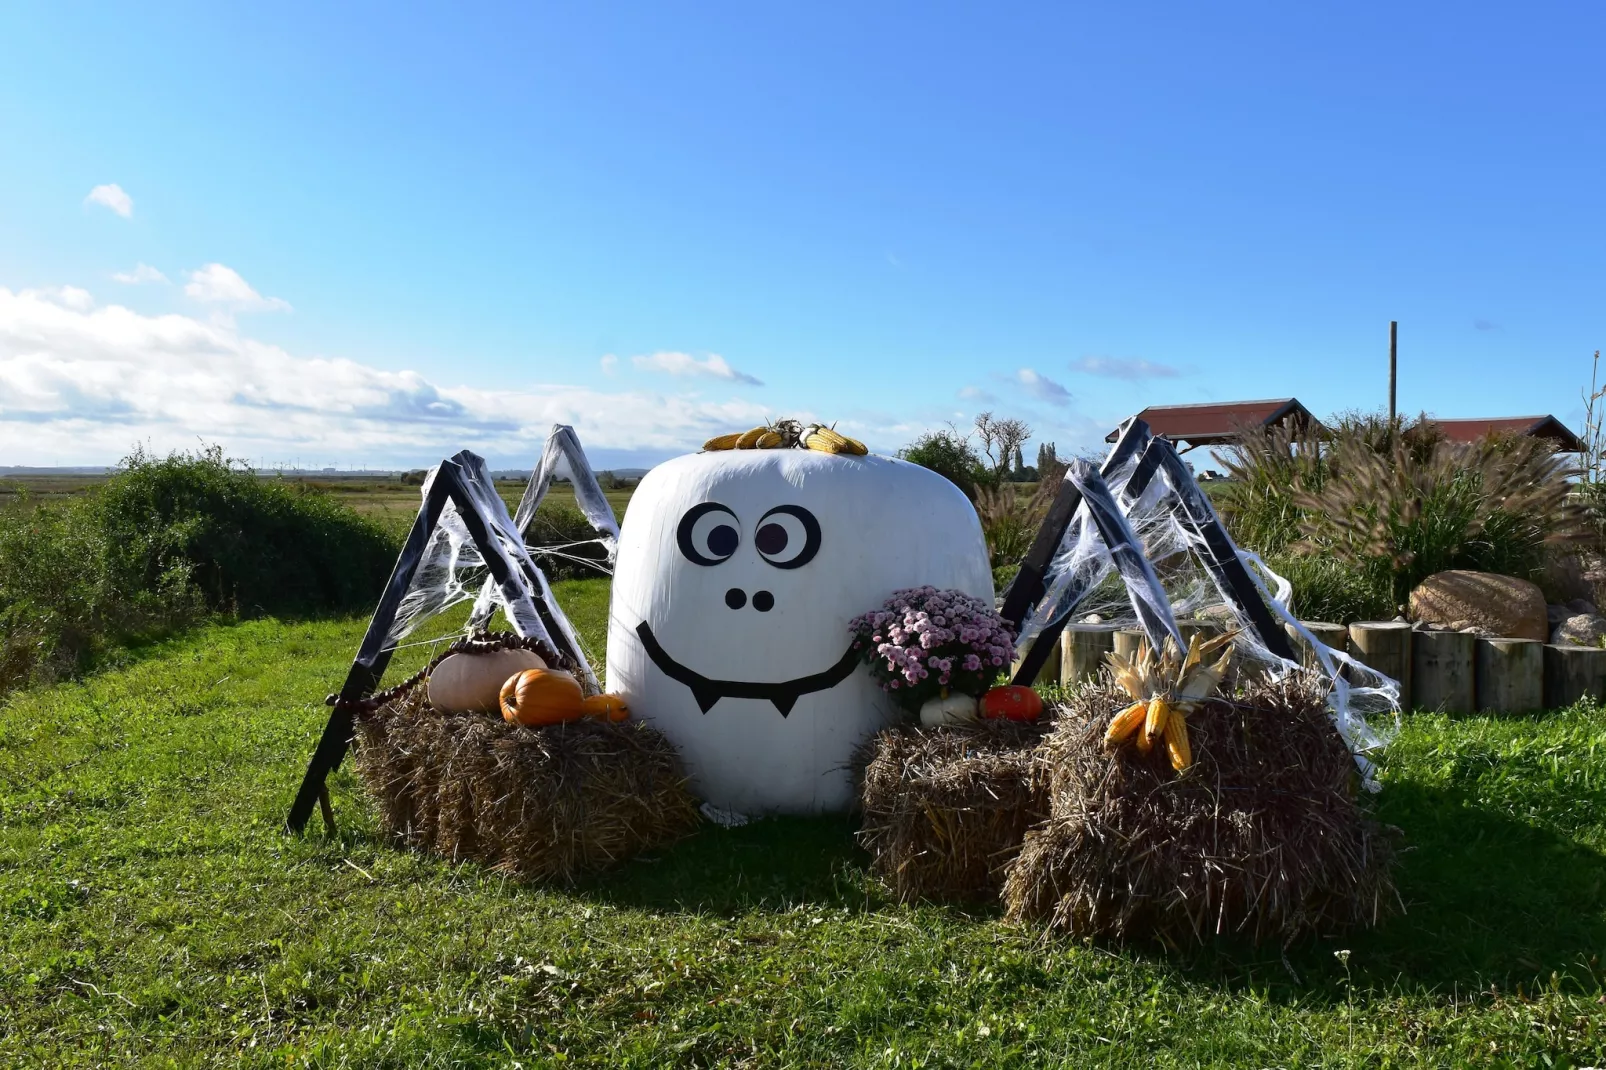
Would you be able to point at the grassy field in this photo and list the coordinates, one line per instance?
(388, 500)
(154, 913)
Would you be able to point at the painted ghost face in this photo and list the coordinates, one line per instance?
(736, 578)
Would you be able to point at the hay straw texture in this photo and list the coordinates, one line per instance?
(945, 808)
(1263, 836)
(539, 804)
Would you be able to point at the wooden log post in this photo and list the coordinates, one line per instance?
(1571, 672)
(1333, 636)
(1082, 650)
(1510, 675)
(1441, 671)
(1050, 671)
(1206, 630)
(1386, 647)
(1127, 641)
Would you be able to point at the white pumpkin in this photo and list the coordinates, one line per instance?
(472, 683)
(955, 709)
(737, 575)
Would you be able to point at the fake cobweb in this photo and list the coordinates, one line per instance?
(1170, 583)
(452, 569)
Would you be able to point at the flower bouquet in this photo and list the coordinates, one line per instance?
(925, 644)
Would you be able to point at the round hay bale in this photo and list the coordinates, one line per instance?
(945, 808)
(539, 804)
(1263, 837)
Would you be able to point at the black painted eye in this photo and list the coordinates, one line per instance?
(788, 536)
(708, 534)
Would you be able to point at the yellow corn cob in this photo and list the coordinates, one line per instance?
(1124, 724)
(1154, 722)
(749, 439)
(722, 442)
(769, 440)
(814, 440)
(826, 440)
(1177, 746)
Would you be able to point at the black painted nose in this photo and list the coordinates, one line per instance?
(763, 601)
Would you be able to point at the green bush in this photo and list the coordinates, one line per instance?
(61, 605)
(950, 455)
(1327, 590)
(251, 545)
(1381, 508)
(164, 542)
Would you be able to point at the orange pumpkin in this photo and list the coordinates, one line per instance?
(1013, 703)
(541, 696)
(607, 708)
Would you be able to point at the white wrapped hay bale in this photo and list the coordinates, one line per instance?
(737, 575)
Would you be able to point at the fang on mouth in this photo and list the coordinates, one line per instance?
(706, 693)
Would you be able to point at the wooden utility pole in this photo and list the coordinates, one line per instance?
(1394, 337)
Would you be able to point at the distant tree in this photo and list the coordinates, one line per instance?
(1046, 457)
(1001, 440)
(610, 480)
(949, 454)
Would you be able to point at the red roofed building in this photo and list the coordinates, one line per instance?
(1525, 426)
(1217, 423)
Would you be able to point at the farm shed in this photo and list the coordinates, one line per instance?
(1525, 426)
(1217, 423)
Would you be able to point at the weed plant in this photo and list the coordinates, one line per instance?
(1360, 516)
(164, 542)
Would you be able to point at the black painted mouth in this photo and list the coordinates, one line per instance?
(707, 692)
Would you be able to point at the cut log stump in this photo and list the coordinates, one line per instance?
(1571, 672)
(1510, 675)
(1442, 671)
(1082, 650)
(1049, 673)
(1386, 647)
(1127, 641)
(1333, 636)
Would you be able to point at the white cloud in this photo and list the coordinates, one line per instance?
(685, 365)
(976, 393)
(141, 273)
(112, 196)
(610, 364)
(79, 300)
(80, 385)
(1042, 387)
(216, 284)
(1130, 368)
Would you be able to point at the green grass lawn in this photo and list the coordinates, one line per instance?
(152, 912)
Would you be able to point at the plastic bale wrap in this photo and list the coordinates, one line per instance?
(945, 809)
(738, 575)
(539, 804)
(1264, 837)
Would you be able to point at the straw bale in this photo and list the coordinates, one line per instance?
(539, 804)
(1263, 837)
(945, 808)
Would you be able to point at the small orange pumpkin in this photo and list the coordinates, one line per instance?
(607, 708)
(541, 696)
(1013, 703)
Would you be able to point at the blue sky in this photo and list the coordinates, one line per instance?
(384, 233)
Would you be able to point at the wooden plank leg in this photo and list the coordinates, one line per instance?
(328, 810)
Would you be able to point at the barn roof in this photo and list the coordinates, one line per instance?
(1215, 423)
(1528, 426)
